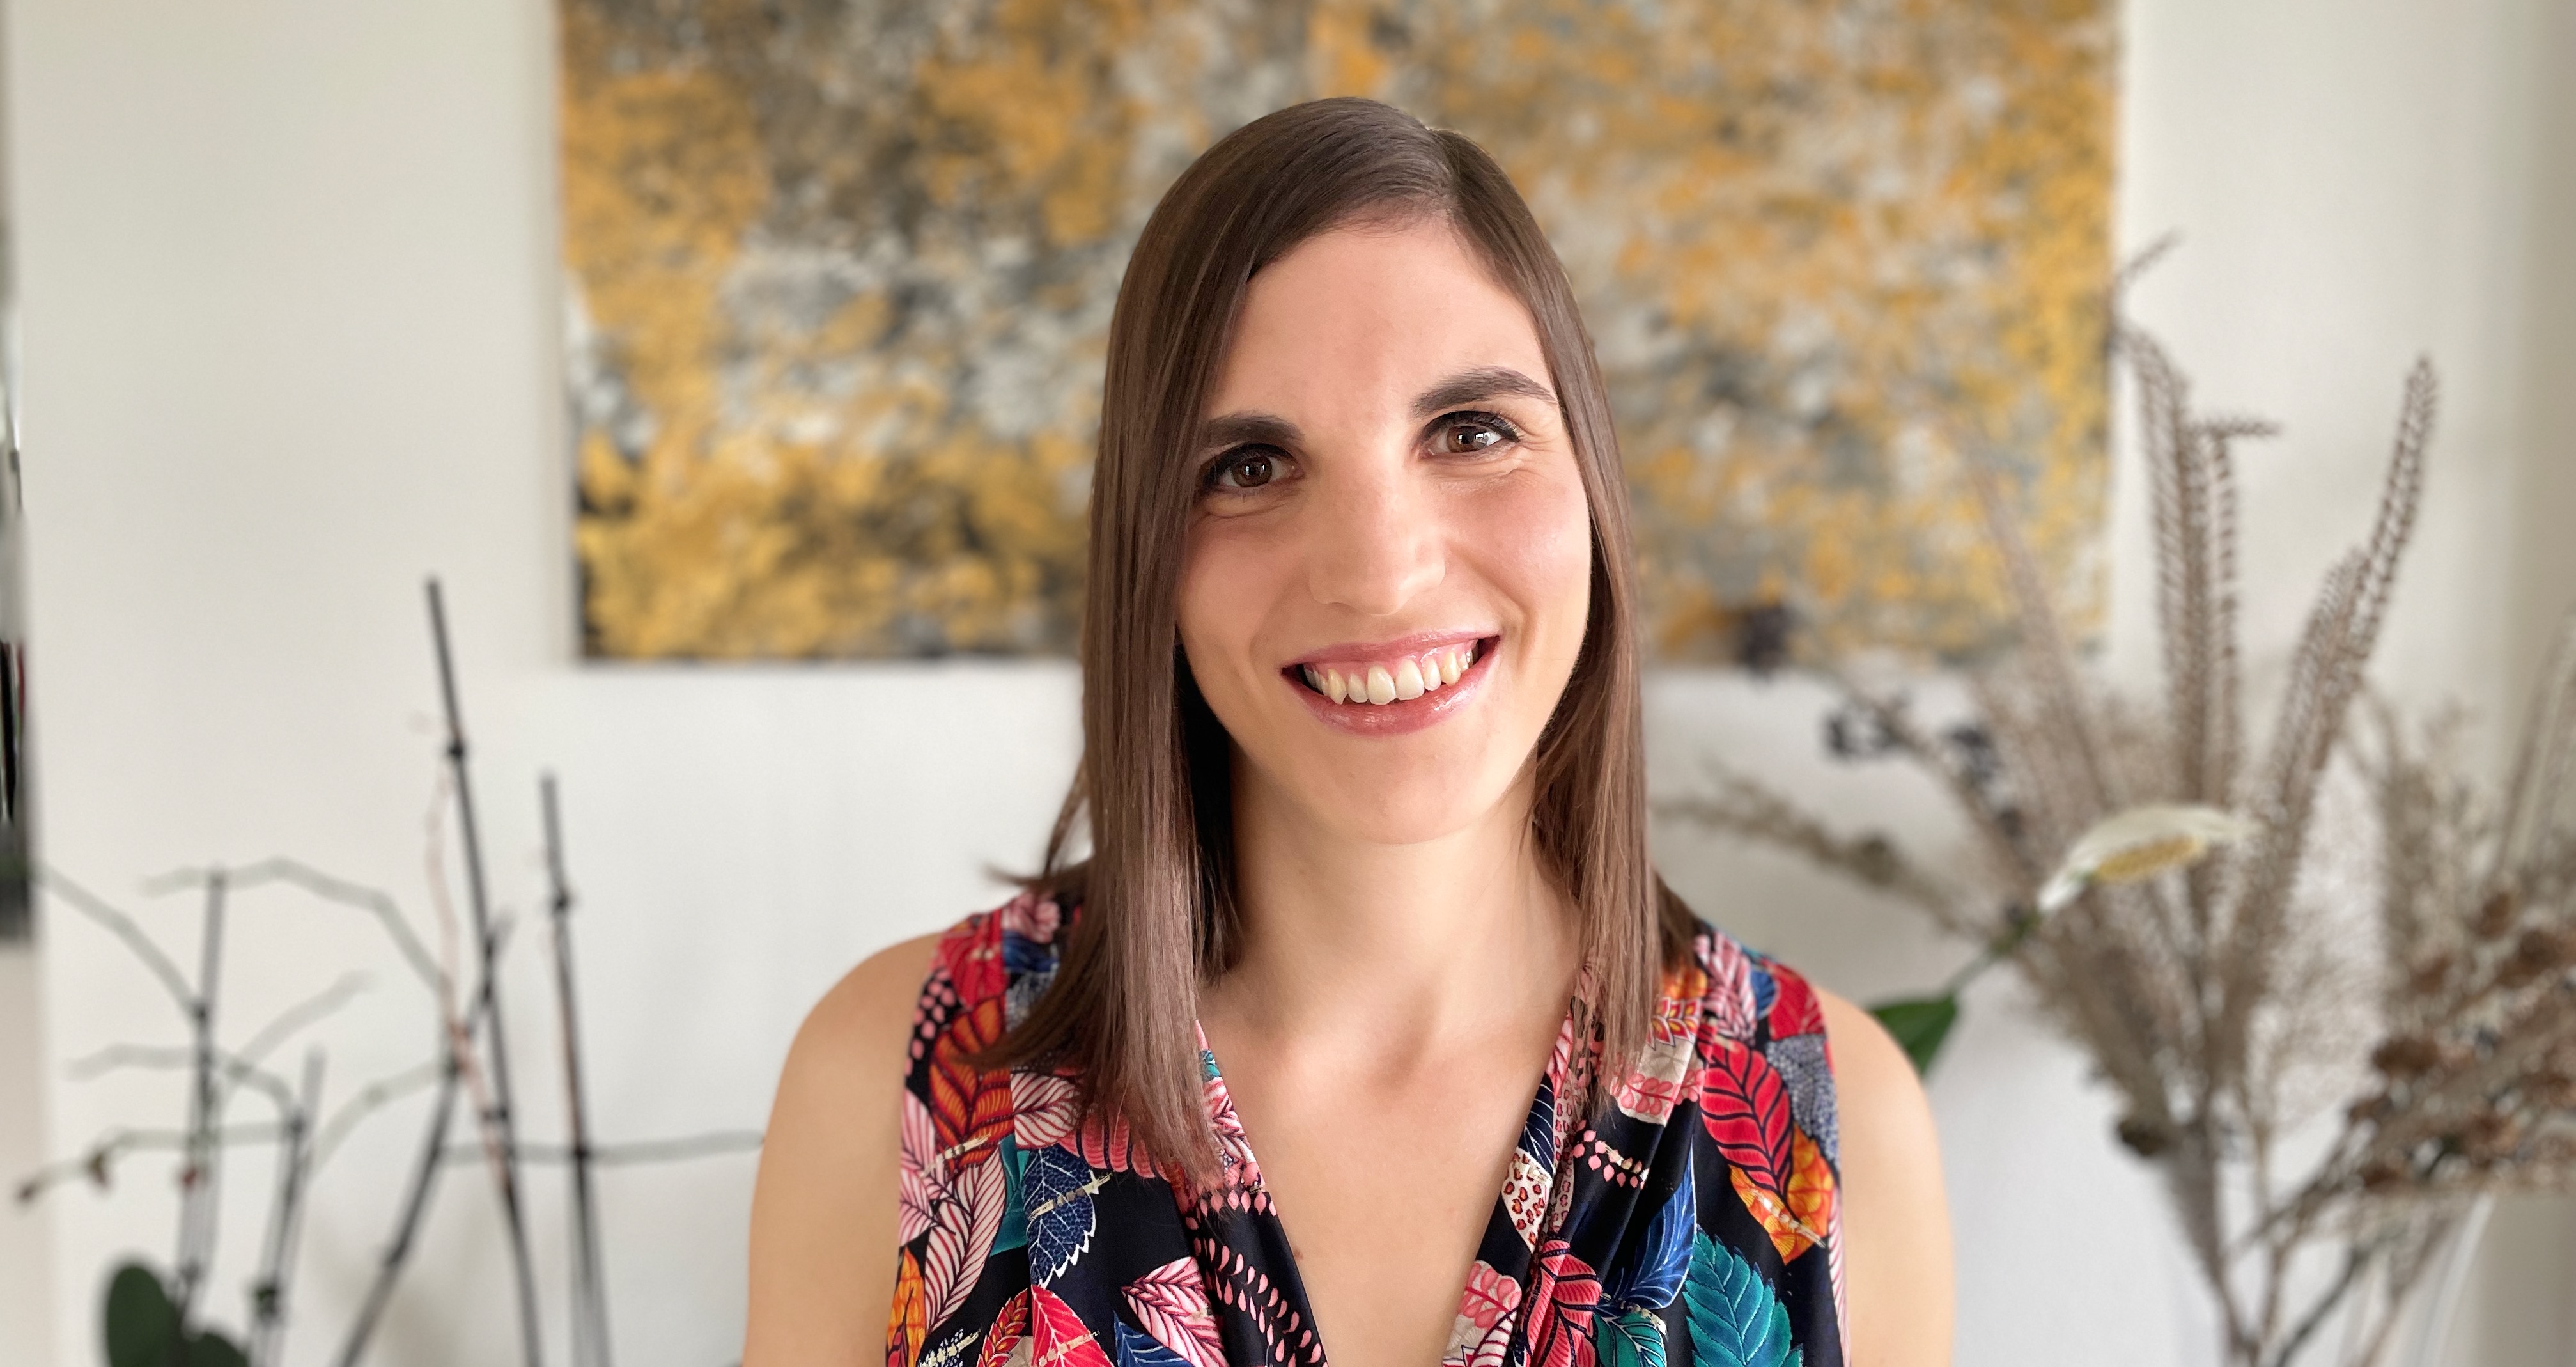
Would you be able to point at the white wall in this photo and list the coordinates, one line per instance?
(289, 314)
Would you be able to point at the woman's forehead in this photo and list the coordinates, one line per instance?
(1373, 317)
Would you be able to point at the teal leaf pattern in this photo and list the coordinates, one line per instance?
(1735, 1320)
(1633, 1338)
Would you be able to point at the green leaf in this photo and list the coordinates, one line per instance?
(1735, 1320)
(1633, 1339)
(1919, 1025)
(210, 1349)
(139, 1321)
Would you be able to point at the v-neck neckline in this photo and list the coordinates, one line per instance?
(1545, 1100)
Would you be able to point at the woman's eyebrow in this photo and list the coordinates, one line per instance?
(1483, 382)
(1247, 429)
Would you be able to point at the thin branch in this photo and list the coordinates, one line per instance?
(590, 1316)
(286, 1216)
(123, 927)
(314, 1008)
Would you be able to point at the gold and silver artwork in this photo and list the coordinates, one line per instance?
(839, 273)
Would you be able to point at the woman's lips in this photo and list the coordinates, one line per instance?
(1382, 692)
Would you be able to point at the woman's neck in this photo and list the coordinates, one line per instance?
(1348, 941)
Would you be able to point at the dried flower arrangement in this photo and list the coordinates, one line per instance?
(155, 1320)
(2323, 1083)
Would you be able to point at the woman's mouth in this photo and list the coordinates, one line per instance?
(1393, 687)
(1376, 683)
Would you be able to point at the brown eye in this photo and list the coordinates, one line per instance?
(1465, 436)
(1246, 469)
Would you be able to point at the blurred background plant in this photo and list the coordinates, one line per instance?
(2330, 981)
(155, 1317)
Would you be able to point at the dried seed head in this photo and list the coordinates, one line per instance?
(2541, 952)
(2431, 973)
(2488, 1137)
(2145, 1138)
(2405, 1056)
(2495, 915)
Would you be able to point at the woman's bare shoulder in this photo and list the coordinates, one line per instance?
(823, 1219)
(869, 1011)
(1896, 1217)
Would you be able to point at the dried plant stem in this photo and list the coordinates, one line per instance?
(201, 1172)
(286, 1217)
(590, 1297)
(499, 1118)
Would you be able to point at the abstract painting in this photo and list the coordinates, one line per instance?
(839, 274)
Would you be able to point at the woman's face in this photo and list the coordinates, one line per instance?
(1388, 566)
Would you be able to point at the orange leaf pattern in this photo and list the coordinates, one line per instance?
(1705, 1141)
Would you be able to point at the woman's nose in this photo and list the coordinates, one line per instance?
(1375, 542)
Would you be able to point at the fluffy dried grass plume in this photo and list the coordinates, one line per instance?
(2341, 1008)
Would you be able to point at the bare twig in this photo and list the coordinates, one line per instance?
(499, 1118)
(590, 1315)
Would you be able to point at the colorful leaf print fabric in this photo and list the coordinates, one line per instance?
(1692, 1220)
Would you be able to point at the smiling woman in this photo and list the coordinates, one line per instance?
(1363, 776)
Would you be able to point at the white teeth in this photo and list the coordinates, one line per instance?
(1381, 685)
(1314, 678)
(1408, 679)
(1335, 686)
(1431, 672)
(1450, 665)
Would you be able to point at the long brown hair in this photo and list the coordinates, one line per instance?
(1159, 915)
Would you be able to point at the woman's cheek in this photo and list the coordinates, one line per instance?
(1543, 526)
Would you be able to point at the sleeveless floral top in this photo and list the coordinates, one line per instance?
(1691, 1221)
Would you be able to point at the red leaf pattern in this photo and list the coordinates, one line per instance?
(970, 1108)
(1794, 1008)
(1059, 1337)
(1008, 1329)
(1746, 1108)
(1562, 1298)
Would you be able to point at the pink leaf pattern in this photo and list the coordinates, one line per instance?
(1044, 1109)
(1727, 1011)
(961, 1236)
(923, 1177)
(1485, 1306)
(1172, 1303)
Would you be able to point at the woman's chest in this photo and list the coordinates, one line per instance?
(1384, 1191)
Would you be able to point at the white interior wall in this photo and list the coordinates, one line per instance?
(288, 279)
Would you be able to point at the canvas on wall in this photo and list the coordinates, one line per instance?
(840, 273)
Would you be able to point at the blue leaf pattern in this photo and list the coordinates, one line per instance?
(1651, 1282)
(1143, 1350)
(1057, 1192)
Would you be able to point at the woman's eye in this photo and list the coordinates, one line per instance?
(1465, 436)
(1247, 469)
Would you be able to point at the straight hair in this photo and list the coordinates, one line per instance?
(1159, 915)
